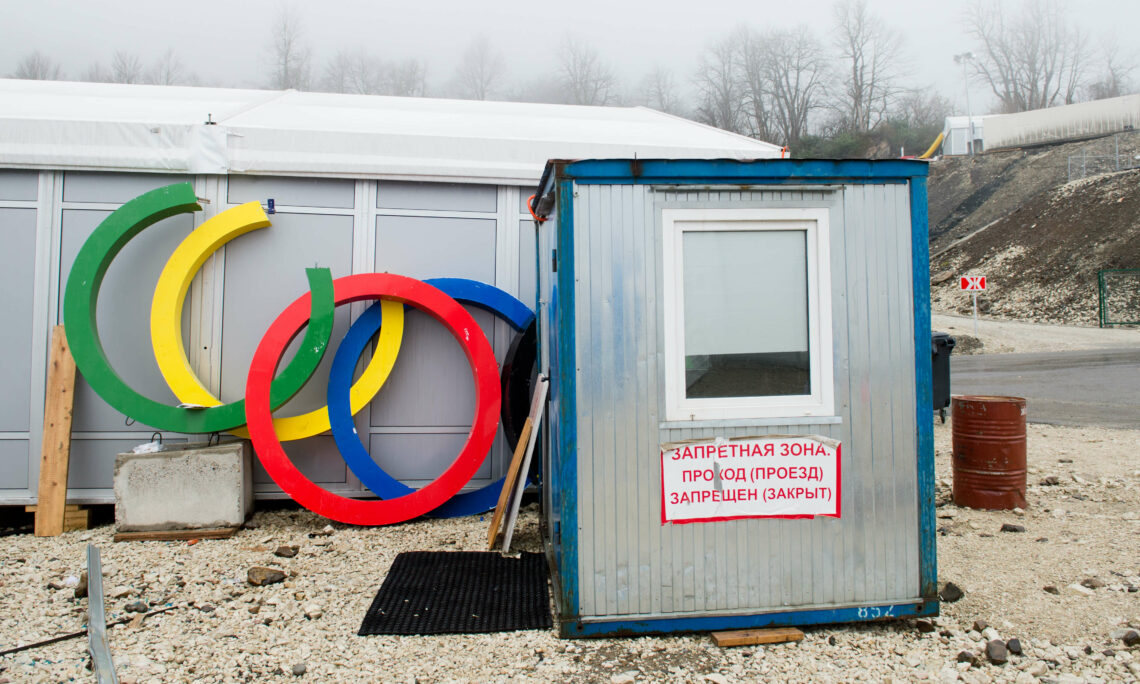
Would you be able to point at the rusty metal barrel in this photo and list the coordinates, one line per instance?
(989, 451)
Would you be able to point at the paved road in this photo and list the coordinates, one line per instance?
(1099, 387)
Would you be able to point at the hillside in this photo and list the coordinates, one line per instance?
(968, 193)
(1040, 259)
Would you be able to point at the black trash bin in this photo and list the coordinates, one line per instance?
(941, 344)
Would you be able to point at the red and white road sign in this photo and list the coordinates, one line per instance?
(972, 283)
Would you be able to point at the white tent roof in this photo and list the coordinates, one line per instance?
(101, 126)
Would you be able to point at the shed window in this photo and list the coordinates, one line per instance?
(747, 313)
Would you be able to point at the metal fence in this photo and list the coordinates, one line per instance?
(1104, 156)
(1118, 294)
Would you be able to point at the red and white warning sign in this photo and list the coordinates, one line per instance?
(972, 283)
(776, 476)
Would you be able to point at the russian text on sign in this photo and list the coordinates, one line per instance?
(753, 477)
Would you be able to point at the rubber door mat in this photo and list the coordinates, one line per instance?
(440, 592)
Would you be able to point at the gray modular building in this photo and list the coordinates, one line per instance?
(421, 187)
(703, 305)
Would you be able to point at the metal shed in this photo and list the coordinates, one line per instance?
(423, 187)
(960, 133)
(654, 275)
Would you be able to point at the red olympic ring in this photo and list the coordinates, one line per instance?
(304, 491)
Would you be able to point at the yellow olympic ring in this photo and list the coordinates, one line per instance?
(166, 325)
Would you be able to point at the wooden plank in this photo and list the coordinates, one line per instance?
(77, 520)
(75, 517)
(56, 452)
(515, 500)
(69, 508)
(509, 484)
(177, 535)
(749, 637)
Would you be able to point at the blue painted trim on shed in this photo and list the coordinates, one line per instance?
(568, 403)
(825, 616)
(731, 171)
(923, 380)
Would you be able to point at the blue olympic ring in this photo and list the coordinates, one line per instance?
(484, 296)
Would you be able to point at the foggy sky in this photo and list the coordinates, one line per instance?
(226, 42)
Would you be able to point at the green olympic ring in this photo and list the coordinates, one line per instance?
(79, 312)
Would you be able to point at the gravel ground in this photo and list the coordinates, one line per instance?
(1082, 527)
(1085, 528)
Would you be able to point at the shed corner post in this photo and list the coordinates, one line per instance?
(920, 258)
(568, 412)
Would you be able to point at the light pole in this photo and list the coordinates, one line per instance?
(962, 58)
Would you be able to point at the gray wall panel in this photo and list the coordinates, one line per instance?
(631, 564)
(17, 276)
(265, 272)
(113, 188)
(292, 192)
(524, 194)
(431, 381)
(92, 463)
(527, 276)
(14, 460)
(437, 196)
(123, 313)
(426, 247)
(420, 457)
(316, 457)
(19, 185)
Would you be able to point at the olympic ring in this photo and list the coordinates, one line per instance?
(519, 370)
(82, 294)
(170, 294)
(484, 371)
(264, 392)
(170, 352)
(352, 346)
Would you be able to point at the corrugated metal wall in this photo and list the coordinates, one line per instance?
(425, 230)
(547, 315)
(629, 563)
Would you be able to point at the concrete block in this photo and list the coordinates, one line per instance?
(184, 486)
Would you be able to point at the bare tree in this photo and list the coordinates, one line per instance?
(168, 70)
(586, 79)
(38, 67)
(752, 56)
(870, 53)
(921, 107)
(289, 54)
(1115, 72)
(764, 84)
(97, 73)
(407, 78)
(658, 91)
(1031, 61)
(126, 68)
(795, 67)
(718, 84)
(541, 89)
(481, 70)
(354, 72)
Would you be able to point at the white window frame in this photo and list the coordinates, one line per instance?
(815, 223)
